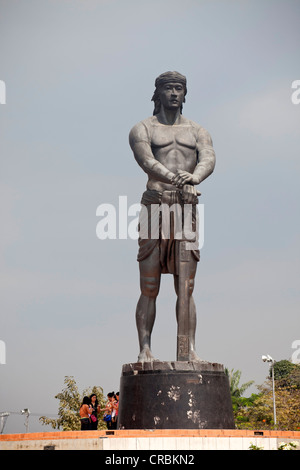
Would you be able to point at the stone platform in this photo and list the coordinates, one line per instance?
(148, 440)
(175, 395)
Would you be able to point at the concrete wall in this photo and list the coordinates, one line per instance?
(147, 440)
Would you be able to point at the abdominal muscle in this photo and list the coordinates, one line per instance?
(173, 160)
(160, 186)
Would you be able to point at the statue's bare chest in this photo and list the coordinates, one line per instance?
(173, 137)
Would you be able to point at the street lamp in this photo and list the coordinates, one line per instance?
(3, 418)
(26, 412)
(271, 360)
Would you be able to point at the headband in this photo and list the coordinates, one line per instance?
(168, 77)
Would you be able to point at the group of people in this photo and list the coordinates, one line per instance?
(90, 409)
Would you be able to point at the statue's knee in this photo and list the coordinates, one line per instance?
(150, 286)
(191, 286)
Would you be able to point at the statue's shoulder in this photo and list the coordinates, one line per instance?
(199, 131)
(146, 123)
(142, 130)
(188, 122)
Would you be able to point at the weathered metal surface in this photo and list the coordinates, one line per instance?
(175, 395)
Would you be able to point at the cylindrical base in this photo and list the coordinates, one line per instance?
(175, 395)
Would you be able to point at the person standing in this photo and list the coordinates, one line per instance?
(95, 410)
(115, 409)
(109, 411)
(85, 412)
(116, 406)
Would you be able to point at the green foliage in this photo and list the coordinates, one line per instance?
(282, 446)
(257, 413)
(255, 447)
(292, 445)
(282, 369)
(70, 400)
(287, 373)
(237, 390)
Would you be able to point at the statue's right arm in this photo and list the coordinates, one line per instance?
(140, 145)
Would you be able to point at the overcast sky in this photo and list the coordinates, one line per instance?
(79, 74)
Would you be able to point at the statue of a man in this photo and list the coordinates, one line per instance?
(177, 154)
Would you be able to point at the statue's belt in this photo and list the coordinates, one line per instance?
(169, 197)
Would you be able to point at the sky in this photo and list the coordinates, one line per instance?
(79, 74)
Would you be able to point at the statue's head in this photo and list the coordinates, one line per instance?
(161, 81)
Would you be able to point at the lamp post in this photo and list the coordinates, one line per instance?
(26, 412)
(271, 360)
(3, 418)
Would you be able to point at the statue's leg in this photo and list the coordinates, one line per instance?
(191, 312)
(150, 274)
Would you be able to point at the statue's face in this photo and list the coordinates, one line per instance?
(172, 95)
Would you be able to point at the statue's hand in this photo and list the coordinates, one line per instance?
(184, 177)
(189, 193)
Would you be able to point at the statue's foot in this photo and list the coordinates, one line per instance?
(146, 356)
(194, 357)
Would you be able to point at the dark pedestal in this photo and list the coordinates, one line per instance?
(175, 395)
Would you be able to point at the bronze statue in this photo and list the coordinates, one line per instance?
(177, 154)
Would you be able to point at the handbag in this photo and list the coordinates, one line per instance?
(107, 418)
(93, 418)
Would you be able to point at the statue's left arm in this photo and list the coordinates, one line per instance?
(206, 156)
(206, 161)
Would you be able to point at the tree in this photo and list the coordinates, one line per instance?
(286, 373)
(238, 401)
(260, 415)
(234, 381)
(69, 403)
(287, 398)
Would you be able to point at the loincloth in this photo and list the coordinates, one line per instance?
(161, 225)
